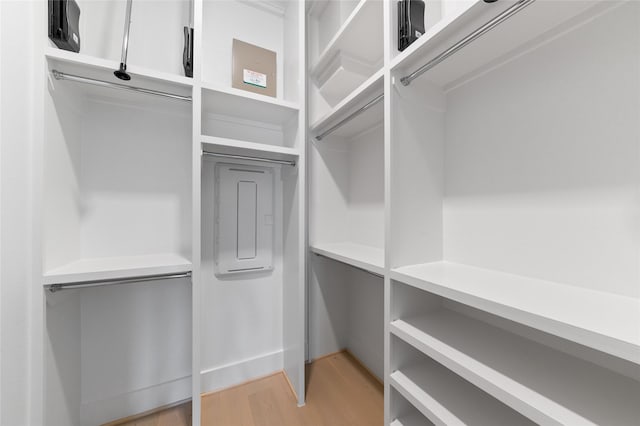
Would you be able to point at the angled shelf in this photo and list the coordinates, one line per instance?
(544, 384)
(370, 259)
(538, 20)
(411, 420)
(603, 321)
(358, 36)
(249, 149)
(112, 268)
(228, 101)
(446, 399)
(102, 69)
(366, 92)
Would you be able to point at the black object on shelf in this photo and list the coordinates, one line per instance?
(187, 53)
(410, 22)
(64, 24)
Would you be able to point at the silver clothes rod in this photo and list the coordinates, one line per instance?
(98, 283)
(244, 157)
(375, 274)
(479, 32)
(349, 117)
(78, 79)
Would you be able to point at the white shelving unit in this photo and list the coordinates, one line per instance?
(126, 194)
(568, 314)
(501, 266)
(542, 383)
(370, 259)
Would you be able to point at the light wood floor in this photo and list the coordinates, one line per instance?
(179, 415)
(340, 392)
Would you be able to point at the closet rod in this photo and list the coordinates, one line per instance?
(78, 79)
(506, 14)
(97, 283)
(375, 274)
(244, 157)
(350, 117)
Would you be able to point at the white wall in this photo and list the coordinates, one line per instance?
(241, 328)
(16, 67)
(543, 167)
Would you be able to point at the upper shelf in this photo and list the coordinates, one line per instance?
(102, 69)
(530, 26)
(246, 105)
(359, 36)
(361, 96)
(246, 148)
(112, 268)
(370, 259)
(603, 321)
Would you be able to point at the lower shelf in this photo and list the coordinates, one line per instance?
(546, 385)
(370, 259)
(447, 399)
(413, 420)
(111, 268)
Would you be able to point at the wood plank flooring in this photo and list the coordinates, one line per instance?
(340, 392)
(180, 415)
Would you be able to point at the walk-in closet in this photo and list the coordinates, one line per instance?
(321, 212)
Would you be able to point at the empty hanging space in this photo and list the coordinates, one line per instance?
(346, 175)
(117, 175)
(115, 351)
(250, 72)
(514, 174)
(345, 50)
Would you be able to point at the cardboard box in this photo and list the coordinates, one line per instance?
(254, 68)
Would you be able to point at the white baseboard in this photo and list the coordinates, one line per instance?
(138, 401)
(228, 375)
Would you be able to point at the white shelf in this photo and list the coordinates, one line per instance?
(102, 69)
(412, 420)
(546, 385)
(447, 399)
(359, 37)
(245, 105)
(364, 257)
(117, 267)
(527, 26)
(607, 322)
(251, 149)
(366, 92)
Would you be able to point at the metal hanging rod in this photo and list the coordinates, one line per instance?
(350, 117)
(97, 283)
(479, 32)
(78, 79)
(244, 157)
(352, 266)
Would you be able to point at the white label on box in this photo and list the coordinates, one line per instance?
(254, 78)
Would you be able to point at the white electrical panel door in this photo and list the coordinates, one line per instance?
(243, 218)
